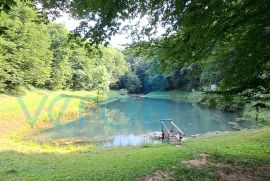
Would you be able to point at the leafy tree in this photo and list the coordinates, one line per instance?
(130, 82)
(97, 69)
(25, 54)
(61, 68)
(6, 5)
(234, 35)
(114, 61)
(47, 55)
(80, 64)
(144, 76)
(184, 78)
(99, 78)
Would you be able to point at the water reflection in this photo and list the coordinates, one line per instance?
(123, 121)
(129, 140)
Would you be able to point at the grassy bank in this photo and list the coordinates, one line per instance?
(45, 108)
(245, 152)
(215, 101)
(176, 95)
(238, 154)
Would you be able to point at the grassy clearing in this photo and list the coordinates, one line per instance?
(247, 149)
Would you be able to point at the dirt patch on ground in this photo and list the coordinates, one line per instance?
(236, 172)
(159, 176)
(200, 161)
(230, 172)
(238, 177)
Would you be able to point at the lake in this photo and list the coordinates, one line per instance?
(127, 121)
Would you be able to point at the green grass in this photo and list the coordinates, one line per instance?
(263, 116)
(246, 148)
(20, 160)
(176, 95)
(13, 120)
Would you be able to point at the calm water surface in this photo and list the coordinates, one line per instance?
(124, 121)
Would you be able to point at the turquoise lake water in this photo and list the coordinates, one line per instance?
(122, 122)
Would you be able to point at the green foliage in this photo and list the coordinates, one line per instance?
(114, 61)
(225, 44)
(6, 6)
(232, 36)
(98, 70)
(131, 82)
(25, 54)
(80, 63)
(61, 68)
(184, 78)
(47, 55)
(144, 75)
(152, 77)
(262, 115)
(99, 78)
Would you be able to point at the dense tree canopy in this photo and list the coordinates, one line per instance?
(24, 47)
(230, 34)
(207, 42)
(229, 38)
(61, 67)
(46, 55)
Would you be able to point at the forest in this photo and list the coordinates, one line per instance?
(76, 107)
(186, 58)
(45, 55)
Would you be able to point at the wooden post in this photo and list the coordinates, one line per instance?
(171, 125)
(180, 137)
(162, 131)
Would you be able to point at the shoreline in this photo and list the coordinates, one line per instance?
(44, 121)
(72, 115)
(153, 138)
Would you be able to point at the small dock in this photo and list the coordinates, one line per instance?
(171, 131)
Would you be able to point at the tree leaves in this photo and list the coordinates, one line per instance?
(48, 56)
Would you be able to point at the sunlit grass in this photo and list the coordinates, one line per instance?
(176, 95)
(26, 160)
(247, 148)
(56, 106)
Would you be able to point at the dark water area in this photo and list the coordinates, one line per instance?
(127, 121)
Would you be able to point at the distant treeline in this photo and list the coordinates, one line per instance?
(146, 75)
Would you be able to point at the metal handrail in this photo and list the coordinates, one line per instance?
(178, 129)
(164, 125)
(166, 120)
(172, 125)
